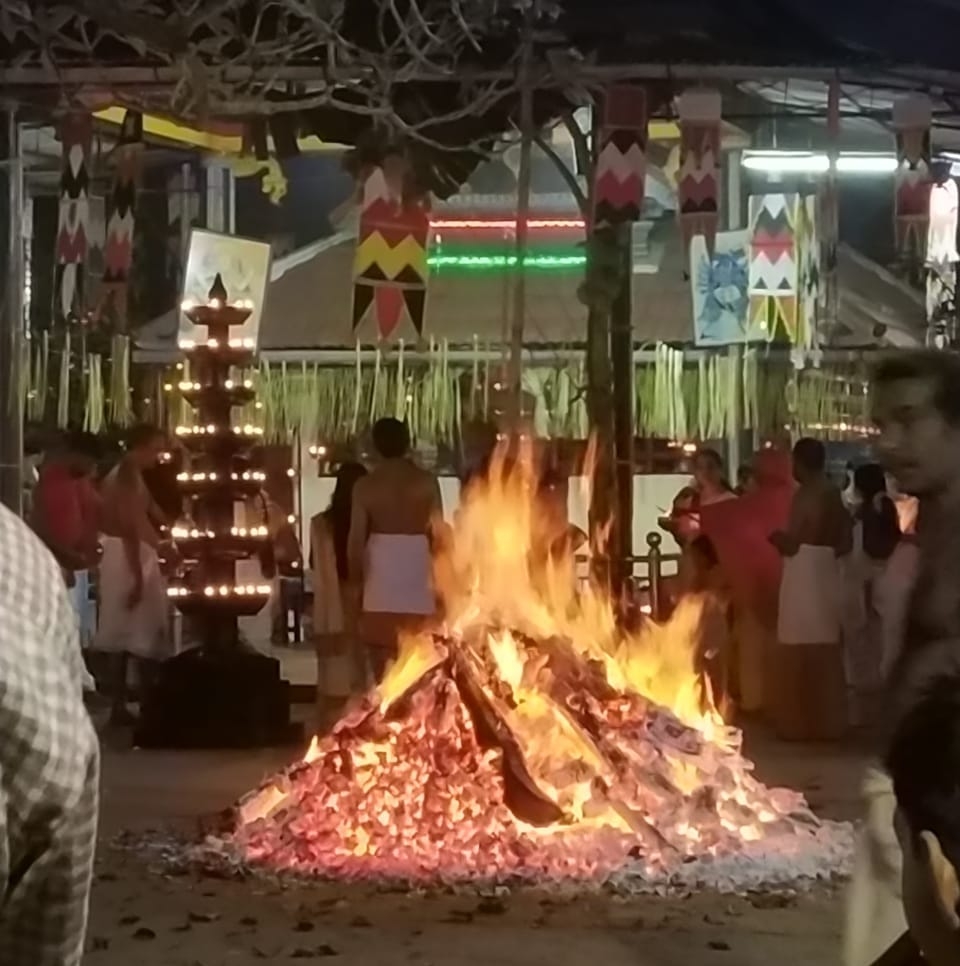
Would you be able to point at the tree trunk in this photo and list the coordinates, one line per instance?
(518, 316)
(603, 493)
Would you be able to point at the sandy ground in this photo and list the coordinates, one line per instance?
(141, 917)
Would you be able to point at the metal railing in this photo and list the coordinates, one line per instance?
(653, 567)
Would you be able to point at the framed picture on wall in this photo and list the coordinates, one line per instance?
(244, 266)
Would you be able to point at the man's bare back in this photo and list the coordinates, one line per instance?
(817, 516)
(399, 497)
(395, 498)
(389, 548)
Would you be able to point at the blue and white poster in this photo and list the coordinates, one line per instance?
(719, 283)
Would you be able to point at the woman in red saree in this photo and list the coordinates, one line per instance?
(740, 533)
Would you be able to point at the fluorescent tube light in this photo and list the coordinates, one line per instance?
(866, 164)
(809, 162)
(786, 162)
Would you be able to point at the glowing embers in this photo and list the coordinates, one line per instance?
(404, 788)
(528, 736)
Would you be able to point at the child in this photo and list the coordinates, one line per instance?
(924, 762)
(876, 534)
(683, 523)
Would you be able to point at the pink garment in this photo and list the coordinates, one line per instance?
(740, 533)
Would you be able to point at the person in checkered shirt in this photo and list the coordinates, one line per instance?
(49, 760)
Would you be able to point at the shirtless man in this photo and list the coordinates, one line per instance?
(810, 703)
(916, 408)
(395, 511)
(133, 604)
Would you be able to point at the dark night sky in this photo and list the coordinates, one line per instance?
(921, 32)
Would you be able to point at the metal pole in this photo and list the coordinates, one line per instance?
(518, 318)
(217, 209)
(654, 574)
(11, 312)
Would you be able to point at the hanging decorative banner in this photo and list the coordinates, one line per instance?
(118, 250)
(390, 266)
(808, 281)
(698, 180)
(719, 281)
(622, 158)
(911, 120)
(73, 223)
(942, 256)
(774, 282)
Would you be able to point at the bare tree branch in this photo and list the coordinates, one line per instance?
(568, 176)
(206, 39)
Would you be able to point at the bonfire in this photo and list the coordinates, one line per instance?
(528, 736)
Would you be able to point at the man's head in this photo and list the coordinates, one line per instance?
(809, 459)
(82, 452)
(916, 408)
(924, 762)
(145, 443)
(391, 437)
(708, 468)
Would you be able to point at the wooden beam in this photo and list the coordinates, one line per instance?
(102, 77)
(217, 142)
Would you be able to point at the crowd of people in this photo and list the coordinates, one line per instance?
(786, 549)
(814, 581)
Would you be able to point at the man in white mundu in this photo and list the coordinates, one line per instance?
(810, 689)
(132, 590)
(395, 509)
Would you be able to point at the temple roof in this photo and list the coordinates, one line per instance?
(308, 304)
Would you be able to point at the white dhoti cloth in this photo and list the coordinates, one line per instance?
(141, 630)
(875, 919)
(811, 597)
(398, 575)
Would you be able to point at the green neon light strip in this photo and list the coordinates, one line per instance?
(505, 261)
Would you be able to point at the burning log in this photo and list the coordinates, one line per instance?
(521, 794)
